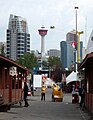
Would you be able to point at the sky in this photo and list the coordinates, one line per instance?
(58, 13)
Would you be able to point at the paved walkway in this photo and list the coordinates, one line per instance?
(47, 110)
(67, 98)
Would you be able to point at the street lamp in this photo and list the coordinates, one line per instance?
(78, 39)
(76, 8)
(78, 45)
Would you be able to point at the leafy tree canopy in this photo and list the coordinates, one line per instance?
(2, 50)
(28, 60)
(54, 62)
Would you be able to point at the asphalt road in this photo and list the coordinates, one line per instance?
(48, 110)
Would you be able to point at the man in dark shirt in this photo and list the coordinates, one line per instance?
(25, 94)
(82, 95)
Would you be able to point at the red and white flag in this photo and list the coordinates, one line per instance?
(73, 44)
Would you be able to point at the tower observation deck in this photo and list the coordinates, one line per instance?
(42, 31)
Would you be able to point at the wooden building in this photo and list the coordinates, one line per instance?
(87, 67)
(11, 77)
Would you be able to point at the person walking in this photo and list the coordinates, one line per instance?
(25, 94)
(82, 95)
(43, 90)
(32, 91)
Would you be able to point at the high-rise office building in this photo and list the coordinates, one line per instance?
(71, 36)
(53, 52)
(18, 38)
(81, 51)
(68, 51)
(63, 46)
(70, 56)
(71, 50)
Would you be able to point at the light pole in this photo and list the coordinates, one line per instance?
(77, 39)
(76, 8)
(78, 45)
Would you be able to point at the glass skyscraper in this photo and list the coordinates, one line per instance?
(63, 46)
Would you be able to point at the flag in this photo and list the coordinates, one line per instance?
(73, 44)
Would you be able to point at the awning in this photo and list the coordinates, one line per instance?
(72, 77)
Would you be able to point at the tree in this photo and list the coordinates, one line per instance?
(56, 67)
(54, 63)
(45, 64)
(28, 60)
(2, 50)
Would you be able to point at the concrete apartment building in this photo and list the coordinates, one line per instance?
(18, 38)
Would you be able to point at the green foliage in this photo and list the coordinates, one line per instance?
(2, 50)
(45, 64)
(54, 62)
(28, 60)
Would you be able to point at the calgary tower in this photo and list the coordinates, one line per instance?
(42, 31)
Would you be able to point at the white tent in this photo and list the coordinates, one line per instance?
(72, 77)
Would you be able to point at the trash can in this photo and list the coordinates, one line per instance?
(75, 97)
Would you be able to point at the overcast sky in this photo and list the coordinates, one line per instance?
(58, 13)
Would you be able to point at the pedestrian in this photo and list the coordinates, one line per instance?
(43, 90)
(32, 92)
(25, 94)
(82, 95)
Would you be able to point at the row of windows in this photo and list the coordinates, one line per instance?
(20, 37)
(21, 40)
(20, 45)
(28, 49)
(20, 52)
(8, 35)
(8, 38)
(20, 49)
(28, 45)
(8, 31)
(8, 46)
(8, 53)
(28, 35)
(8, 49)
(28, 42)
(21, 34)
(8, 41)
(28, 38)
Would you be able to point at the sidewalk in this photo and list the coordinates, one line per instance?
(67, 99)
(86, 115)
(47, 110)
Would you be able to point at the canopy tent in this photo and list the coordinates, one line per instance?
(72, 77)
